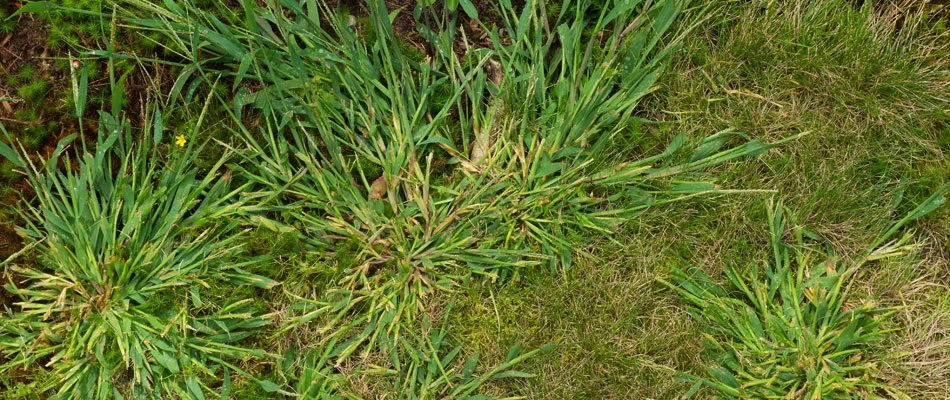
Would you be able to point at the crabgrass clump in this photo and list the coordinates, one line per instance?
(790, 329)
(505, 174)
(111, 240)
(428, 365)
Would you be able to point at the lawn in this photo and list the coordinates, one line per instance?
(469, 199)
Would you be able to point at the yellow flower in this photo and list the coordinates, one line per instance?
(180, 140)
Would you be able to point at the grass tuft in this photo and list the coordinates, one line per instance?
(503, 175)
(112, 231)
(790, 329)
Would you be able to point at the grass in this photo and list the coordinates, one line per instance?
(437, 224)
(379, 177)
(793, 330)
(107, 239)
(36, 92)
(825, 178)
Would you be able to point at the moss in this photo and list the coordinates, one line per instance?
(367, 30)
(6, 26)
(8, 172)
(266, 242)
(67, 28)
(37, 135)
(245, 388)
(35, 91)
(26, 73)
(26, 115)
(370, 169)
(480, 318)
(345, 253)
(59, 35)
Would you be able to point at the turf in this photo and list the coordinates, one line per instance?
(870, 84)
(863, 86)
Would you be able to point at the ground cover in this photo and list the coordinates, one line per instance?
(374, 203)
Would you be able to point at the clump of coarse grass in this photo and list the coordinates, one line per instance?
(123, 241)
(505, 173)
(790, 329)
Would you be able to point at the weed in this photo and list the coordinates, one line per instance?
(516, 190)
(789, 330)
(109, 239)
